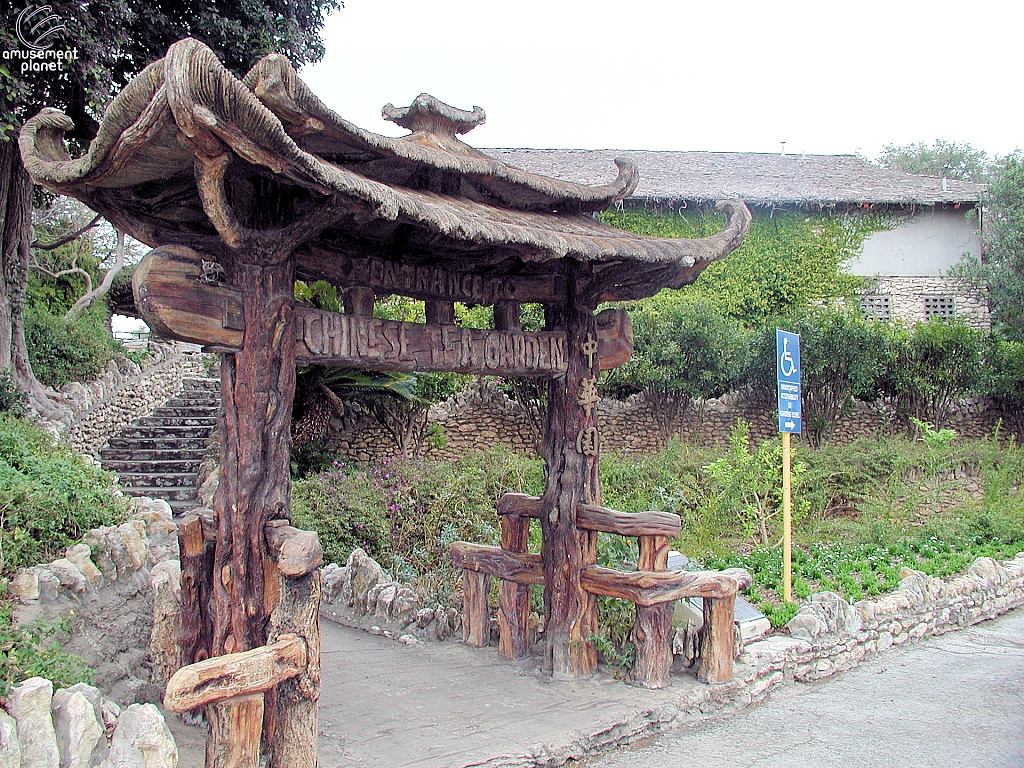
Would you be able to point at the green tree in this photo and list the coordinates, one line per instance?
(840, 353)
(951, 159)
(685, 349)
(113, 40)
(1001, 269)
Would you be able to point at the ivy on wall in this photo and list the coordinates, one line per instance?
(788, 259)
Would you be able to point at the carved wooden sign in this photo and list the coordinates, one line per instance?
(174, 301)
(423, 281)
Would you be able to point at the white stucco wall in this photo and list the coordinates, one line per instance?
(928, 243)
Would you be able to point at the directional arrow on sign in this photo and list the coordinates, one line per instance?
(790, 425)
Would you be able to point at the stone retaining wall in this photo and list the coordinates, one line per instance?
(78, 727)
(481, 416)
(103, 407)
(106, 585)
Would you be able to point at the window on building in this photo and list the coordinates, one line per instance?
(876, 307)
(939, 306)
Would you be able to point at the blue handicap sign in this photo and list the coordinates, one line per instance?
(787, 359)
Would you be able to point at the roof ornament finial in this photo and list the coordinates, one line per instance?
(427, 114)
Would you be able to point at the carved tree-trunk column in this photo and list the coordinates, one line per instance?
(257, 386)
(571, 478)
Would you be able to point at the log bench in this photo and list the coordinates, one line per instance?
(652, 588)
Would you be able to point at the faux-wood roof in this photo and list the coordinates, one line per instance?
(276, 163)
(756, 178)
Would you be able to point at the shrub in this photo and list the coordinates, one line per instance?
(685, 349)
(928, 367)
(61, 351)
(12, 400)
(1003, 380)
(49, 496)
(840, 355)
(31, 650)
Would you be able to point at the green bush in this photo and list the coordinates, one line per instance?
(405, 512)
(12, 400)
(840, 355)
(928, 367)
(35, 650)
(49, 496)
(1003, 380)
(61, 352)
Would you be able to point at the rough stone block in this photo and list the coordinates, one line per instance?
(142, 740)
(80, 737)
(29, 704)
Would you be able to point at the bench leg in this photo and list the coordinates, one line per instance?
(476, 626)
(717, 641)
(652, 638)
(514, 599)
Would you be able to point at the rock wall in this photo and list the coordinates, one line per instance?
(481, 416)
(101, 408)
(829, 635)
(78, 727)
(909, 298)
(104, 584)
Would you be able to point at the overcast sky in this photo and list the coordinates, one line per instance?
(721, 76)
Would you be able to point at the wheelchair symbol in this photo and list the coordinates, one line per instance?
(786, 362)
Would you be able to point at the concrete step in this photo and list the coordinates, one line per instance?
(201, 385)
(161, 492)
(182, 480)
(147, 454)
(166, 432)
(181, 415)
(193, 401)
(176, 421)
(162, 442)
(159, 467)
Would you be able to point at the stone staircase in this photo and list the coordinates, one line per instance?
(159, 455)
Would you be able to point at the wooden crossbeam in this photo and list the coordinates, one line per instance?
(648, 588)
(235, 674)
(520, 567)
(519, 504)
(175, 301)
(594, 518)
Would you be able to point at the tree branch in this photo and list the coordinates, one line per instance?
(90, 297)
(65, 240)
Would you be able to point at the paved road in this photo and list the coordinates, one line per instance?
(950, 701)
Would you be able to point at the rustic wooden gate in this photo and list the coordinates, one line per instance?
(244, 186)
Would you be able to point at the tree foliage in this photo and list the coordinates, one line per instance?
(949, 159)
(685, 349)
(928, 367)
(788, 259)
(1001, 269)
(840, 355)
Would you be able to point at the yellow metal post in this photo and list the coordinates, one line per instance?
(787, 521)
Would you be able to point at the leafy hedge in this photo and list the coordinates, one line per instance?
(61, 351)
(49, 496)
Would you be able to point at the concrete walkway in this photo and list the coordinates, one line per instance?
(954, 701)
(442, 705)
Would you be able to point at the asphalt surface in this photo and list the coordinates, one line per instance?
(946, 702)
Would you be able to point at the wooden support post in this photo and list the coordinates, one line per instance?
(257, 388)
(507, 316)
(652, 632)
(717, 640)
(232, 741)
(570, 451)
(514, 599)
(476, 622)
(297, 569)
(358, 300)
(440, 313)
(196, 535)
